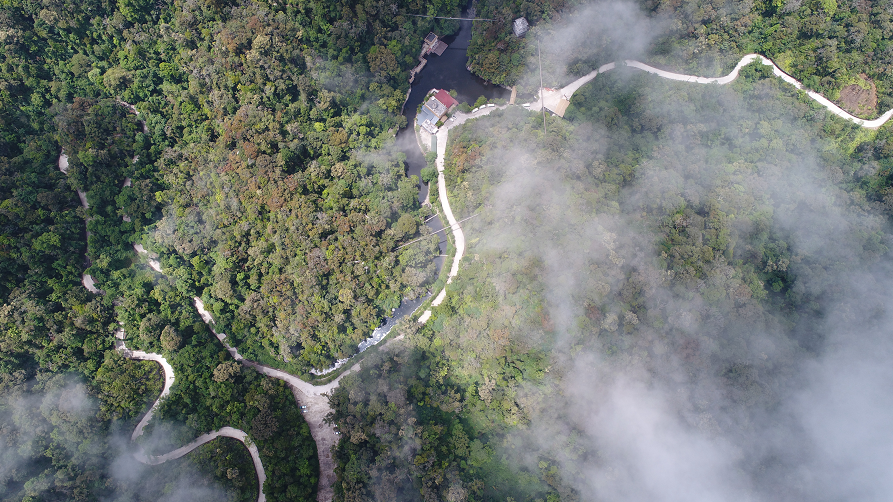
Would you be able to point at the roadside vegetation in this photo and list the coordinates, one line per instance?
(262, 172)
(549, 283)
(70, 398)
(840, 49)
(262, 154)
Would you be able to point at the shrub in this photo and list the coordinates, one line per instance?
(170, 340)
(429, 174)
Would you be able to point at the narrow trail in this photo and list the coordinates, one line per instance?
(442, 136)
(145, 356)
(551, 98)
(86, 279)
(314, 397)
(140, 455)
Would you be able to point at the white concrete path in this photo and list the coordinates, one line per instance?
(231, 432)
(313, 398)
(168, 370)
(306, 388)
(86, 279)
(551, 98)
(137, 113)
(90, 284)
(442, 136)
(145, 356)
(154, 264)
(63, 162)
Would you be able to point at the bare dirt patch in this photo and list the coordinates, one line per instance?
(324, 435)
(858, 100)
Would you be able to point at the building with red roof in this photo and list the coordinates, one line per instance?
(435, 109)
(445, 98)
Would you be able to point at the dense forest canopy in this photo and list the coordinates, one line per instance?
(657, 299)
(69, 398)
(841, 49)
(253, 177)
(242, 141)
(695, 267)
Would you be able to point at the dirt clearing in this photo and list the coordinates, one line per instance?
(859, 100)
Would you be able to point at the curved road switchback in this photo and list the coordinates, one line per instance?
(458, 119)
(313, 398)
(140, 455)
(230, 432)
(551, 98)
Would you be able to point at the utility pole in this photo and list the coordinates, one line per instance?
(542, 97)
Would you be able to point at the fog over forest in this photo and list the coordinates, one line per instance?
(673, 292)
(59, 414)
(760, 406)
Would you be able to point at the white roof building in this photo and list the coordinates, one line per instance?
(520, 27)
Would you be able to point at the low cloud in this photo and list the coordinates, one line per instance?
(585, 38)
(704, 391)
(55, 416)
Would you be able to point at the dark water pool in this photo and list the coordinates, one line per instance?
(448, 71)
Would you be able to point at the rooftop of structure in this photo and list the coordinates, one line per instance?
(436, 106)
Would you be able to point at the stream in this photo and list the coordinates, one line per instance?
(449, 72)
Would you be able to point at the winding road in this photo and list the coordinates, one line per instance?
(230, 432)
(86, 279)
(442, 135)
(557, 99)
(551, 99)
(314, 397)
(140, 455)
